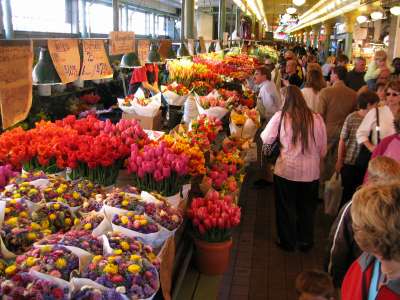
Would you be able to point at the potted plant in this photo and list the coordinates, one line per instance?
(213, 218)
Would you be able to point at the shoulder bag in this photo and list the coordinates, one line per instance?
(271, 152)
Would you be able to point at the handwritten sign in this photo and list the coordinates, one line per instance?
(165, 45)
(143, 50)
(95, 61)
(202, 45)
(15, 81)
(122, 42)
(66, 58)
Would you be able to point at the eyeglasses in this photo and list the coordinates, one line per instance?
(392, 94)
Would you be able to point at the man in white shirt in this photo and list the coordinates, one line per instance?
(268, 103)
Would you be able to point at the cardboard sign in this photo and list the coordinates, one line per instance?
(15, 81)
(190, 43)
(66, 58)
(95, 61)
(165, 45)
(122, 42)
(202, 45)
(143, 50)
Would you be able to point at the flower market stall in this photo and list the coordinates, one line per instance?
(92, 209)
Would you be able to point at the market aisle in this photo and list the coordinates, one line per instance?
(259, 270)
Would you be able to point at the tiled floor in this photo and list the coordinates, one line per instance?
(258, 269)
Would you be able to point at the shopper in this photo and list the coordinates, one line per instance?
(378, 65)
(367, 133)
(376, 222)
(342, 248)
(355, 78)
(292, 76)
(342, 61)
(314, 84)
(328, 66)
(335, 104)
(381, 92)
(348, 150)
(297, 169)
(275, 74)
(314, 285)
(396, 68)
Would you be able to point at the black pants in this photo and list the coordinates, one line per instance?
(352, 178)
(295, 206)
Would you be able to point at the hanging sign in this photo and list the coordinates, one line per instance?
(95, 61)
(165, 45)
(143, 50)
(122, 42)
(66, 58)
(15, 81)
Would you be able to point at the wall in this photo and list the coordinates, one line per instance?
(205, 26)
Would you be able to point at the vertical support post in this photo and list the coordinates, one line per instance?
(7, 19)
(82, 12)
(394, 38)
(221, 19)
(115, 15)
(75, 16)
(237, 22)
(189, 19)
(154, 25)
(183, 21)
(126, 17)
(350, 20)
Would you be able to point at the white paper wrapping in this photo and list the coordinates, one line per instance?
(190, 111)
(150, 110)
(173, 98)
(216, 111)
(247, 131)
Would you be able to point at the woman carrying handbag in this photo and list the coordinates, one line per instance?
(300, 136)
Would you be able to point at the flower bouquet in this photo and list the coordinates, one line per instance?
(165, 215)
(175, 93)
(15, 208)
(54, 260)
(212, 105)
(14, 147)
(61, 190)
(6, 175)
(25, 191)
(203, 131)
(131, 132)
(141, 106)
(213, 217)
(28, 177)
(54, 216)
(157, 168)
(88, 292)
(201, 88)
(91, 204)
(28, 286)
(130, 275)
(89, 222)
(90, 98)
(115, 242)
(244, 123)
(123, 202)
(248, 98)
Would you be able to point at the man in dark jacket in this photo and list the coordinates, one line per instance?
(355, 78)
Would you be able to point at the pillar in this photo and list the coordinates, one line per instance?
(237, 22)
(316, 29)
(115, 15)
(328, 27)
(350, 19)
(189, 19)
(221, 19)
(394, 37)
(82, 12)
(183, 20)
(7, 19)
(126, 17)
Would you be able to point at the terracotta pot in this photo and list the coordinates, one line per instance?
(212, 258)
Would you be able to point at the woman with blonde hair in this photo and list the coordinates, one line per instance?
(314, 84)
(379, 64)
(302, 138)
(328, 66)
(376, 221)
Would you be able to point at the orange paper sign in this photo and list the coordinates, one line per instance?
(66, 58)
(95, 61)
(143, 50)
(122, 42)
(15, 81)
(165, 45)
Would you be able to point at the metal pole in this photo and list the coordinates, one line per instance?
(83, 18)
(189, 19)
(183, 21)
(221, 19)
(7, 19)
(126, 17)
(115, 15)
(75, 16)
(237, 21)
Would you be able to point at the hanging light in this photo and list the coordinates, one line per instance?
(291, 10)
(377, 15)
(299, 2)
(285, 18)
(362, 19)
(395, 10)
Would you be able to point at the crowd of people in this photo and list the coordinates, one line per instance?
(329, 121)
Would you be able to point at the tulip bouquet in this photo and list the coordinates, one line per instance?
(248, 98)
(54, 260)
(14, 147)
(175, 94)
(244, 122)
(222, 177)
(54, 216)
(177, 88)
(213, 217)
(157, 168)
(204, 131)
(130, 245)
(90, 98)
(130, 275)
(135, 222)
(26, 286)
(201, 88)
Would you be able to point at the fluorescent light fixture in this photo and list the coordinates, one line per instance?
(395, 10)
(291, 10)
(362, 19)
(376, 15)
(299, 2)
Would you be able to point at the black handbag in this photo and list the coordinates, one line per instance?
(271, 152)
(364, 155)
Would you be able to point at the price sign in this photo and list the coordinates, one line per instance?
(15, 81)
(165, 45)
(95, 61)
(122, 42)
(66, 58)
(143, 50)
(191, 46)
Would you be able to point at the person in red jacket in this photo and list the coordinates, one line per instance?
(376, 222)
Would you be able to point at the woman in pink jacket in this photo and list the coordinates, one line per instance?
(297, 169)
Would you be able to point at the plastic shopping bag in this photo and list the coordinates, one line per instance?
(333, 194)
